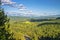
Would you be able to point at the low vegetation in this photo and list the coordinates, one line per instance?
(46, 30)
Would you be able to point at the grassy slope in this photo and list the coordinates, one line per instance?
(31, 30)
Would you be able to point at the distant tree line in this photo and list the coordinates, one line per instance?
(58, 18)
(39, 20)
(48, 23)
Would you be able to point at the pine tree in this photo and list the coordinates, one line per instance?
(4, 33)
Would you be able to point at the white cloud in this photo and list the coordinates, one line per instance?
(30, 11)
(13, 4)
(7, 2)
(20, 7)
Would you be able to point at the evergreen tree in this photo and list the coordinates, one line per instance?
(4, 33)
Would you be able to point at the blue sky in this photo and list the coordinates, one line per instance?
(36, 7)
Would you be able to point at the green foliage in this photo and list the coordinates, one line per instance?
(3, 17)
(46, 31)
(4, 26)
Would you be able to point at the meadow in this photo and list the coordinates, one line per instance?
(27, 30)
